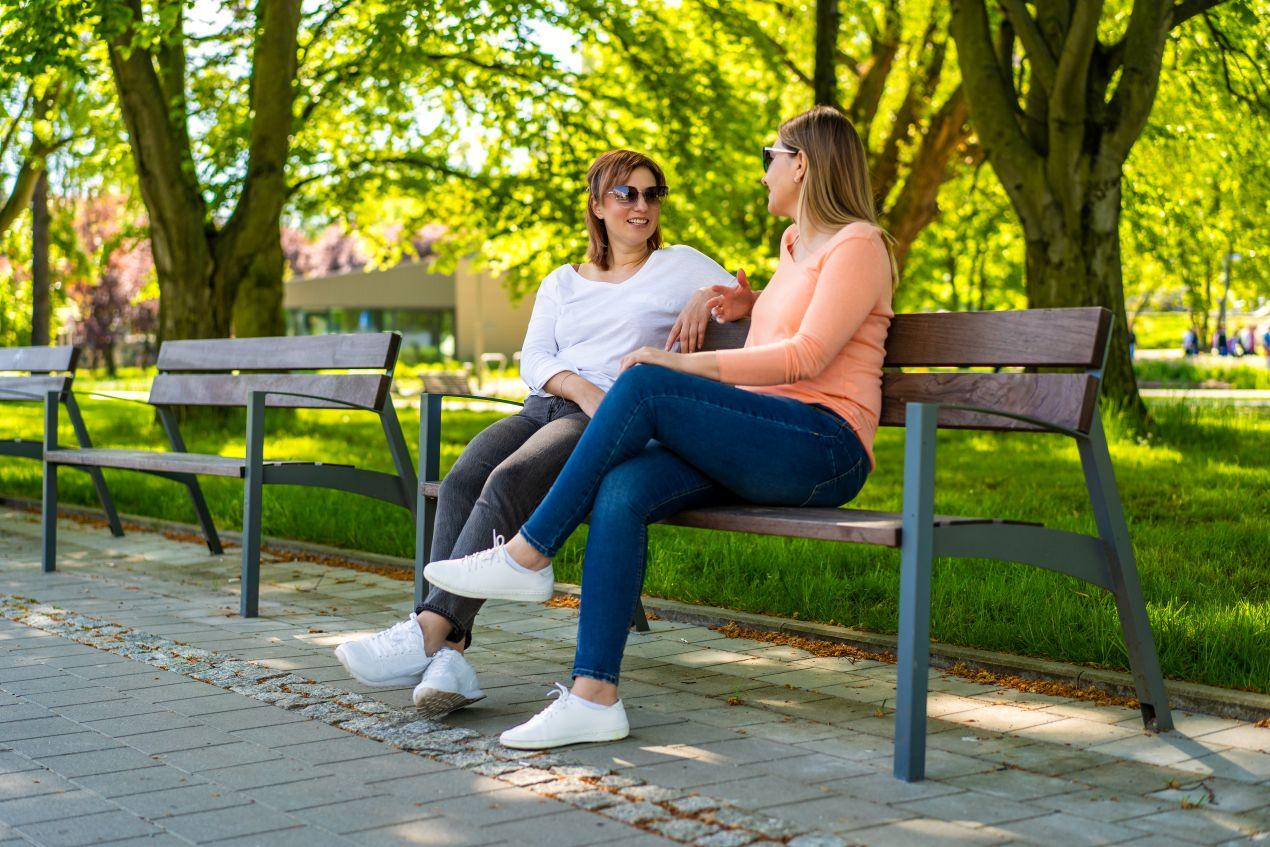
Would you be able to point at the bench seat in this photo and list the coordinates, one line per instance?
(859, 526)
(179, 463)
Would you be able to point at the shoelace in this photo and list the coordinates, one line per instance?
(482, 558)
(562, 696)
(395, 640)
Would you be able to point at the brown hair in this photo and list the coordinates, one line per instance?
(608, 170)
(836, 190)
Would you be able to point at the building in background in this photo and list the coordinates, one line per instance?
(462, 315)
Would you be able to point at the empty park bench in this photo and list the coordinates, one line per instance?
(255, 373)
(1064, 403)
(33, 373)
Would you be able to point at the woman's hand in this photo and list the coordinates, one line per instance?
(652, 356)
(690, 327)
(732, 302)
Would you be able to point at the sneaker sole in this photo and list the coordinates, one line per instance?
(395, 682)
(589, 738)
(438, 704)
(521, 596)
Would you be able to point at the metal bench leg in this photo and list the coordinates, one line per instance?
(429, 470)
(99, 481)
(639, 623)
(204, 517)
(1109, 513)
(253, 490)
(48, 515)
(191, 482)
(917, 545)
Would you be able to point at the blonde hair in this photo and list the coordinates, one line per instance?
(836, 190)
(605, 172)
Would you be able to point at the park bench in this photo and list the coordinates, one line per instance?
(255, 374)
(33, 373)
(1063, 403)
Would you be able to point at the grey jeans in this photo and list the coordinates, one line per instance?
(497, 482)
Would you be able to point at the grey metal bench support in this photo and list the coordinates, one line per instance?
(41, 363)
(228, 373)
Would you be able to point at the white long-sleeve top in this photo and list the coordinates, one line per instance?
(585, 326)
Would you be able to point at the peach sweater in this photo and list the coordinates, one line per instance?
(818, 330)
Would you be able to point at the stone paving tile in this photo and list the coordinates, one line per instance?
(139, 781)
(249, 819)
(90, 829)
(819, 738)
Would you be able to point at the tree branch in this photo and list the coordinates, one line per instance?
(1187, 9)
(993, 106)
(1067, 104)
(255, 217)
(1130, 105)
(1038, 52)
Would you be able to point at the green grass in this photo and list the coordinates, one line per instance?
(1248, 373)
(1197, 495)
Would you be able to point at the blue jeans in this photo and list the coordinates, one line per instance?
(716, 444)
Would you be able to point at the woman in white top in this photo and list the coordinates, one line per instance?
(630, 293)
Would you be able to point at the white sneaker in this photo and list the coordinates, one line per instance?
(568, 721)
(491, 575)
(394, 656)
(449, 683)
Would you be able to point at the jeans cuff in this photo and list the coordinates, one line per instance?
(457, 631)
(541, 548)
(597, 675)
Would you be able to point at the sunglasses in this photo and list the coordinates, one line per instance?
(769, 154)
(628, 195)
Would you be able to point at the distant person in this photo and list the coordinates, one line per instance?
(1265, 343)
(630, 293)
(1133, 343)
(1219, 343)
(1190, 342)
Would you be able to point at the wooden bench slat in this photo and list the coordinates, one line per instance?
(31, 388)
(38, 359)
(862, 526)
(1040, 337)
(446, 383)
(1068, 400)
(234, 389)
(314, 352)
(145, 460)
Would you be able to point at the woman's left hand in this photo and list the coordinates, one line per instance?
(651, 356)
(690, 327)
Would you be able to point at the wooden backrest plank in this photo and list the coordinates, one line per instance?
(31, 388)
(38, 359)
(234, 389)
(728, 336)
(1035, 337)
(1067, 400)
(310, 352)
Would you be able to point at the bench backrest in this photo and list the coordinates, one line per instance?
(1051, 338)
(224, 371)
(35, 371)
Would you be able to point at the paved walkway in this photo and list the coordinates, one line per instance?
(136, 707)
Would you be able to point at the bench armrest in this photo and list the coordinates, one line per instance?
(468, 397)
(982, 410)
(265, 394)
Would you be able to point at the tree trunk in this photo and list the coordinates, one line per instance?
(258, 307)
(825, 75)
(1080, 266)
(40, 280)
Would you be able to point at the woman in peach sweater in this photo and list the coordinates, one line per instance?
(786, 420)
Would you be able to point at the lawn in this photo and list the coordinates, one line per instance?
(1197, 495)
